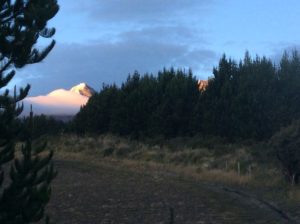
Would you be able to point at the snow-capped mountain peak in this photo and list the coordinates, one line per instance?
(83, 89)
(60, 101)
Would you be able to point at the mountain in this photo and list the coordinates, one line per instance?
(202, 85)
(60, 102)
(83, 89)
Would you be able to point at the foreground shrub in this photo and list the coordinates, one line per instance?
(25, 176)
(287, 146)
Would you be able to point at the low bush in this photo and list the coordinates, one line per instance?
(286, 145)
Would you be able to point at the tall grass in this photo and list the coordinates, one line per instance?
(196, 156)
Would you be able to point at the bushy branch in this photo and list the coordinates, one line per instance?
(25, 175)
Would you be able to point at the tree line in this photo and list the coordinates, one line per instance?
(143, 106)
(249, 99)
(41, 125)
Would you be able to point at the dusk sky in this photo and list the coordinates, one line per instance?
(105, 40)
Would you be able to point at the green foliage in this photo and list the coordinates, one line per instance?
(239, 99)
(31, 173)
(251, 99)
(25, 189)
(108, 151)
(287, 146)
(42, 125)
(143, 106)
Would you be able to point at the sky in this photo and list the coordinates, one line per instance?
(102, 41)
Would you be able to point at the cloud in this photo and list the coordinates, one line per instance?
(106, 20)
(177, 34)
(103, 41)
(278, 50)
(142, 11)
(200, 60)
(101, 62)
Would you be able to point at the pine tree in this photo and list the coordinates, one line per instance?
(24, 176)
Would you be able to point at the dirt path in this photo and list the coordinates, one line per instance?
(107, 193)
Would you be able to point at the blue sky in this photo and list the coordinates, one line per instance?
(105, 40)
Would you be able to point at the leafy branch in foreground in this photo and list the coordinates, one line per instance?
(31, 173)
(24, 176)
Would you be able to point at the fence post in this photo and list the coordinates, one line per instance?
(250, 170)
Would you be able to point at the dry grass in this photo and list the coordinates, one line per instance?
(294, 194)
(229, 177)
(212, 163)
(171, 152)
(185, 171)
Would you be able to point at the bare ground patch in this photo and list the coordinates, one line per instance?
(92, 191)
